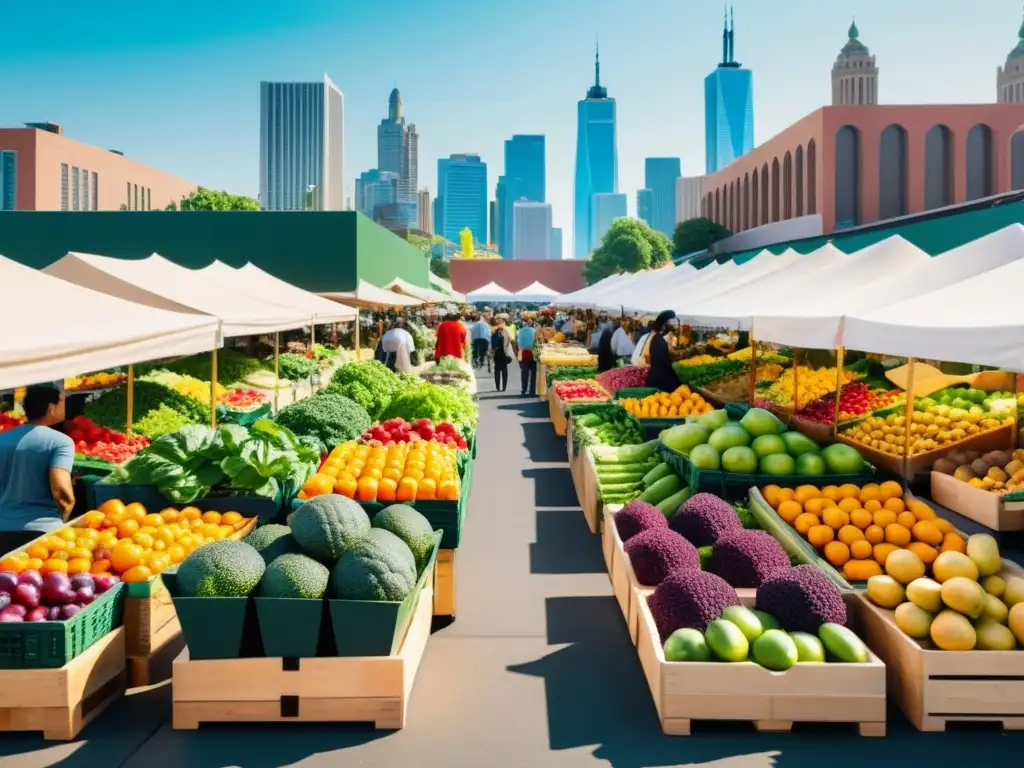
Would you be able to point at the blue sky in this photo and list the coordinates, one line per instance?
(177, 85)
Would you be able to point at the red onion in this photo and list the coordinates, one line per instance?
(626, 377)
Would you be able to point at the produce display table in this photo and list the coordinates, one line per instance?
(773, 701)
(336, 690)
(60, 702)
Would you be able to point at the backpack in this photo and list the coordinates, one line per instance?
(497, 342)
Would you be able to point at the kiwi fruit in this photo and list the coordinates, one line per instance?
(945, 466)
(971, 456)
(956, 458)
(980, 467)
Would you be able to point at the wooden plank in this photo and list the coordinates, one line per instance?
(984, 507)
(591, 500)
(609, 535)
(335, 689)
(155, 666)
(444, 583)
(555, 411)
(144, 618)
(772, 701)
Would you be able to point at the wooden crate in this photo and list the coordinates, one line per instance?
(61, 702)
(334, 690)
(989, 509)
(555, 410)
(145, 619)
(444, 583)
(155, 666)
(935, 688)
(773, 701)
(591, 499)
(609, 535)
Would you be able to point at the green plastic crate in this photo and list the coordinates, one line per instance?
(213, 626)
(290, 627)
(244, 418)
(638, 392)
(52, 644)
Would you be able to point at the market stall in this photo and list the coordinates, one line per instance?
(536, 293)
(445, 287)
(490, 293)
(425, 295)
(367, 295)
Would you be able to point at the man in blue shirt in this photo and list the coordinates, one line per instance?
(527, 365)
(36, 495)
(480, 336)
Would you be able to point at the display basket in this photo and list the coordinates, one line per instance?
(1000, 513)
(214, 627)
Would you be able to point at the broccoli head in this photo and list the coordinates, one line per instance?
(689, 598)
(704, 518)
(745, 558)
(802, 598)
(637, 516)
(656, 552)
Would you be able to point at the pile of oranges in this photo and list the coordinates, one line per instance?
(126, 540)
(398, 472)
(857, 528)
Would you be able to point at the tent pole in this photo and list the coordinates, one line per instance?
(840, 363)
(277, 347)
(753, 366)
(213, 388)
(908, 415)
(131, 398)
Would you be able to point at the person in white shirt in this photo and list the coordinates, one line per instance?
(622, 345)
(399, 346)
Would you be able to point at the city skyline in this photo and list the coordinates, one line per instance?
(175, 90)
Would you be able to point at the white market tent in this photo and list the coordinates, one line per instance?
(614, 297)
(67, 329)
(162, 284)
(490, 292)
(661, 290)
(536, 293)
(735, 307)
(257, 284)
(369, 295)
(445, 287)
(426, 295)
(569, 300)
(812, 316)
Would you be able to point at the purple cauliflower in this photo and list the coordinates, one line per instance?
(802, 598)
(745, 558)
(657, 552)
(689, 598)
(638, 516)
(704, 518)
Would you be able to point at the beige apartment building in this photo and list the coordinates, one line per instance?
(41, 169)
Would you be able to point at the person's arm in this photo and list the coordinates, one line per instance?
(61, 489)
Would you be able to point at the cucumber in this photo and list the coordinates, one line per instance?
(662, 489)
(660, 471)
(671, 505)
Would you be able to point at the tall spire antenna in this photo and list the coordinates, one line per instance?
(732, 33)
(725, 34)
(597, 62)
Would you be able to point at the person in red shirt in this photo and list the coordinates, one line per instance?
(451, 338)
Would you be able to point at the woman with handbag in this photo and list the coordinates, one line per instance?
(503, 352)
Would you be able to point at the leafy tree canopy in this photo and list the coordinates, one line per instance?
(629, 245)
(440, 268)
(697, 234)
(204, 199)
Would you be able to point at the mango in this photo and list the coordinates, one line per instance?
(809, 648)
(964, 596)
(686, 645)
(994, 585)
(843, 644)
(984, 551)
(885, 591)
(745, 619)
(913, 620)
(904, 566)
(993, 636)
(951, 631)
(951, 564)
(774, 649)
(1015, 621)
(726, 641)
(994, 609)
(1014, 592)
(926, 594)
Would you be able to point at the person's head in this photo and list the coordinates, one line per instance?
(661, 322)
(44, 405)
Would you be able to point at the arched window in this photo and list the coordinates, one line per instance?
(812, 177)
(1017, 160)
(755, 201)
(718, 206)
(775, 189)
(745, 223)
(979, 162)
(938, 167)
(892, 172)
(799, 178)
(766, 210)
(787, 186)
(847, 177)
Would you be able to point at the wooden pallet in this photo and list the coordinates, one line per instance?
(155, 666)
(275, 690)
(61, 702)
(444, 583)
(935, 688)
(772, 701)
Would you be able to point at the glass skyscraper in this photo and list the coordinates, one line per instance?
(645, 205)
(597, 166)
(524, 181)
(398, 153)
(461, 197)
(375, 188)
(605, 207)
(302, 141)
(728, 107)
(660, 175)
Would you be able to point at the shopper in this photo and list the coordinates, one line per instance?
(451, 338)
(36, 495)
(606, 359)
(527, 364)
(480, 334)
(661, 374)
(501, 349)
(622, 345)
(399, 347)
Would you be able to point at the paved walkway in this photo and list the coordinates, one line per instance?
(537, 670)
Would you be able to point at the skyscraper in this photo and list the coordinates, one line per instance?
(524, 179)
(688, 195)
(461, 197)
(556, 242)
(375, 188)
(302, 141)
(605, 207)
(499, 214)
(424, 219)
(660, 175)
(492, 216)
(855, 73)
(645, 205)
(398, 150)
(531, 224)
(597, 167)
(728, 107)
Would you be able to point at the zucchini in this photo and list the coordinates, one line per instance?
(662, 470)
(671, 505)
(662, 489)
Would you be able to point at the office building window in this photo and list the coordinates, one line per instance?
(64, 184)
(85, 189)
(95, 191)
(74, 188)
(8, 179)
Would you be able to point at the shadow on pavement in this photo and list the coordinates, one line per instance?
(542, 444)
(552, 487)
(565, 545)
(531, 408)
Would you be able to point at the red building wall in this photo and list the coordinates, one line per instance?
(562, 275)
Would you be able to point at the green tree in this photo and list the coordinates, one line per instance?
(204, 199)
(629, 245)
(697, 234)
(439, 267)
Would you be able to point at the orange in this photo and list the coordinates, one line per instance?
(816, 506)
(928, 533)
(873, 505)
(890, 489)
(884, 517)
(849, 491)
(820, 535)
(346, 486)
(176, 552)
(135, 510)
(771, 495)
(897, 534)
(790, 510)
(837, 553)
(926, 552)
(197, 523)
(170, 515)
(906, 519)
(190, 513)
(153, 520)
(954, 541)
(214, 517)
(125, 556)
(895, 504)
(922, 511)
(137, 574)
(882, 552)
(786, 494)
(12, 564)
(128, 528)
(832, 492)
(835, 518)
(164, 534)
(208, 530)
(230, 518)
(804, 522)
(79, 565)
(849, 534)
(159, 546)
(805, 493)
(112, 506)
(54, 565)
(861, 518)
(849, 504)
(100, 566)
(875, 534)
(93, 519)
(860, 549)
(869, 492)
